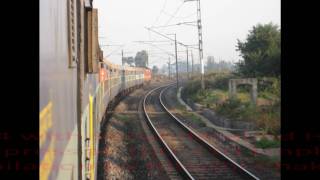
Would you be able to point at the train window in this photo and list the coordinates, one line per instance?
(88, 3)
(93, 46)
(72, 34)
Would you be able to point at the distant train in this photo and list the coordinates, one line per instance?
(76, 86)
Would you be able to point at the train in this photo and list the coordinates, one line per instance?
(76, 87)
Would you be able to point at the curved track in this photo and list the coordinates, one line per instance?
(193, 156)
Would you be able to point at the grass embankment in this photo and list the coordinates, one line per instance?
(194, 119)
(266, 114)
(190, 116)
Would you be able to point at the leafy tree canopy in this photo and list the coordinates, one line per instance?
(260, 52)
(155, 69)
(141, 59)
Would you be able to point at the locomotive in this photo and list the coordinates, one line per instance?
(76, 86)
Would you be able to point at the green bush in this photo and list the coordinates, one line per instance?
(269, 119)
(215, 96)
(122, 117)
(191, 88)
(218, 81)
(266, 143)
(269, 88)
(209, 98)
(237, 110)
(195, 119)
(212, 81)
(231, 108)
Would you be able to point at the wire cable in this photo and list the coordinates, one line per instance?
(174, 14)
(162, 11)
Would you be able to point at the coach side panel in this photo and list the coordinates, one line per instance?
(58, 90)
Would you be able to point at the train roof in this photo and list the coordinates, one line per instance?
(111, 65)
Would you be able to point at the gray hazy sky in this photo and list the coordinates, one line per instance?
(121, 22)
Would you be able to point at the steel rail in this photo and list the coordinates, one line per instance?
(202, 141)
(181, 168)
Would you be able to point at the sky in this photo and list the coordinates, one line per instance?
(122, 24)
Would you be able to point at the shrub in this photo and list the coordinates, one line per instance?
(195, 119)
(218, 81)
(122, 117)
(269, 87)
(230, 108)
(269, 120)
(237, 110)
(266, 143)
(266, 116)
(191, 88)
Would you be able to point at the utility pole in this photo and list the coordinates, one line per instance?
(176, 53)
(200, 43)
(175, 44)
(169, 63)
(187, 63)
(192, 64)
(200, 40)
(122, 57)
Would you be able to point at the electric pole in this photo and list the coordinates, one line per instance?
(192, 64)
(187, 63)
(175, 45)
(200, 40)
(122, 57)
(176, 53)
(169, 69)
(200, 43)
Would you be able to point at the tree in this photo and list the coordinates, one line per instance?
(141, 59)
(128, 60)
(261, 52)
(155, 70)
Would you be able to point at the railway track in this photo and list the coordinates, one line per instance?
(193, 157)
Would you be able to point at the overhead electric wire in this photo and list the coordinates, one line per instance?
(182, 23)
(115, 51)
(165, 44)
(174, 14)
(181, 17)
(162, 11)
(154, 41)
(158, 48)
(169, 38)
(102, 45)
